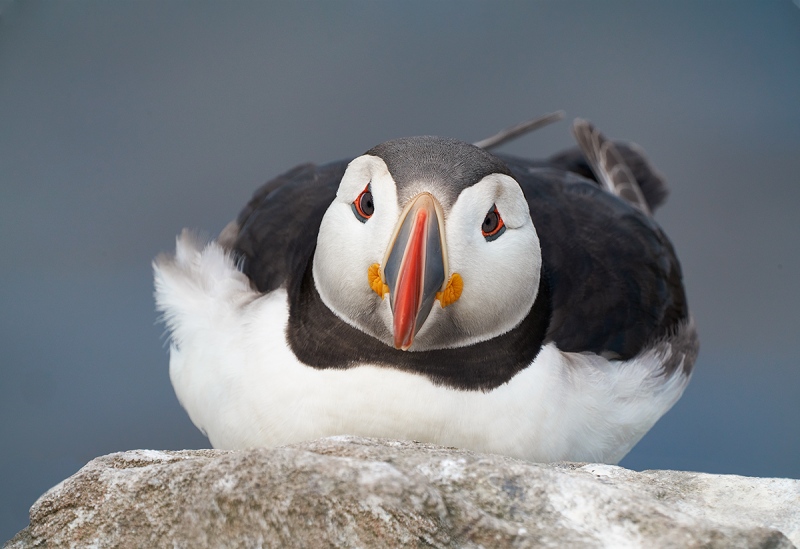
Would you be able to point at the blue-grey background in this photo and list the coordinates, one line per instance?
(123, 122)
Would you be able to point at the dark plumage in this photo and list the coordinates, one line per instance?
(613, 281)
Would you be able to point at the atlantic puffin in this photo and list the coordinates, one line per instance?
(430, 290)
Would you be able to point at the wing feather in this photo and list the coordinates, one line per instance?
(615, 280)
(277, 230)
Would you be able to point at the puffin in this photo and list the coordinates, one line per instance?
(431, 290)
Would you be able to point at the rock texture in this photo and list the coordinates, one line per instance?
(355, 492)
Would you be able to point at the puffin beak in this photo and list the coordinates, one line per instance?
(415, 267)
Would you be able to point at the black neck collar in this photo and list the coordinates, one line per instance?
(322, 340)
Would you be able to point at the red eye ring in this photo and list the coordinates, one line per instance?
(493, 225)
(363, 206)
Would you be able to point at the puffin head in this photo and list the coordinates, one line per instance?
(429, 244)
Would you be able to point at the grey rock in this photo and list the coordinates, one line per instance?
(356, 492)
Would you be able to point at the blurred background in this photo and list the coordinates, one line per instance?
(123, 122)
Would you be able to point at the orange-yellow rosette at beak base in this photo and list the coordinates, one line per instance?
(452, 291)
(375, 281)
(446, 297)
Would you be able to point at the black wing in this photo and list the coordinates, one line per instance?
(268, 243)
(616, 284)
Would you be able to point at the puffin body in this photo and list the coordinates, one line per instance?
(429, 290)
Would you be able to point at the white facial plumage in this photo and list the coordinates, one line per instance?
(501, 276)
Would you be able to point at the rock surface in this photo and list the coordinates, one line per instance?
(355, 492)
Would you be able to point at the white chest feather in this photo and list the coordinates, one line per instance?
(241, 384)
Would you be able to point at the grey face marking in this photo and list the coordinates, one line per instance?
(447, 165)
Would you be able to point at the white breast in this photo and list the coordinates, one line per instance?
(241, 384)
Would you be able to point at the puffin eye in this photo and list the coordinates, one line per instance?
(493, 225)
(363, 207)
